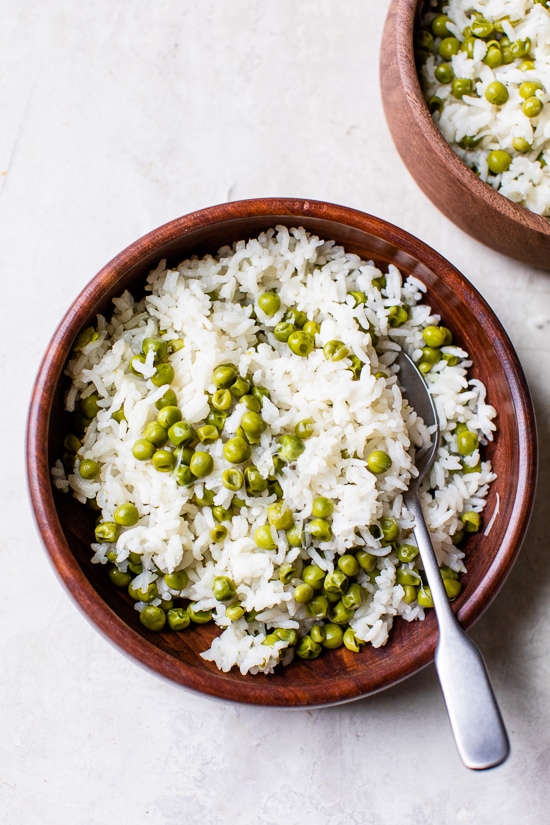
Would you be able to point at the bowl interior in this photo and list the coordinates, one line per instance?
(67, 527)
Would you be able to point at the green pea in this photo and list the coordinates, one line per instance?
(322, 507)
(106, 531)
(507, 55)
(356, 366)
(253, 424)
(291, 447)
(89, 405)
(217, 419)
(287, 572)
(407, 552)
(340, 614)
(471, 521)
(181, 434)
(468, 442)
(457, 537)
(225, 375)
(152, 617)
(389, 528)
(378, 462)
(254, 482)
(409, 593)
(251, 403)
(183, 475)
(335, 350)
(232, 479)
(532, 107)
(164, 374)
(239, 387)
(448, 47)
(304, 428)
(159, 348)
(118, 578)
(207, 433)
(147, 595)
(199, 616)
(439, 25)
(528, 88)
(307, 648)
(318, 606)
(493, 57)
(175, 344)
(167, 416)
(354, 597)
(333, 598)
(283, 331)
(296, 317)
(358, 297)
(314, 575)
(135, 568)
(164, 461)
(264, 537)
(89, 469)
(234, 612)
(118, 415)
(312, 328)
(260, 393)
(320, 529)
(269, 303)
(300, 343)
(398, 315)
(218, 533)
(294, 536)
(444, 73)
(176, 580)
(521, 145)
(222, 400)
(201, 464)
(223, 588)
(348, 564)
(178, 618)
(336, 582)
(126, 514)
(498, 161)
(135, 362)
(424, 597)
(496, 93)
(303, 593)
(434, 336)
(481, 28)
(366, 560)
(169, 399)
(280, 516)
(407, 575)
(206, 500)
(462, 86)
(286, 634)
(424, 40)
(351, 641)
(521, 48)
(435, 104)
(236, 450)
(334, 636)
(222, 513)
(87, 336)
(468, 45)
(155, 433)
(317, 633)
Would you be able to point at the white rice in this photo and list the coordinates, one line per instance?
(351, 419)
(527, 181)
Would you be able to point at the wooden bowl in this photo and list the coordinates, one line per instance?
(466, 200)
(340, 675)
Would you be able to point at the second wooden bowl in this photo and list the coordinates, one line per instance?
(467, 201)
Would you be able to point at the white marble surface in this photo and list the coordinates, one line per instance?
(116, 117)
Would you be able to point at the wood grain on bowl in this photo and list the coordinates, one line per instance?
(467, 201)
(338, 676)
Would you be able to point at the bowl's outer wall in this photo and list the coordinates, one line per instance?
(67, 527)
(457, 192)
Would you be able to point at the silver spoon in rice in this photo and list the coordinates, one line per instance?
(475, 718)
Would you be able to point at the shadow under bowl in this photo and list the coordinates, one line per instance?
(338, 676)
(458, 193)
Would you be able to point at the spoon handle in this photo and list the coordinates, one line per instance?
(476, 722)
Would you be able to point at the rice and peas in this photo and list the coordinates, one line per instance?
(243, 436)
(485, 71)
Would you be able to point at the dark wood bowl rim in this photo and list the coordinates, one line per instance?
(257, 690)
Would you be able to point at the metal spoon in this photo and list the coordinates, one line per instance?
(476, 722)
